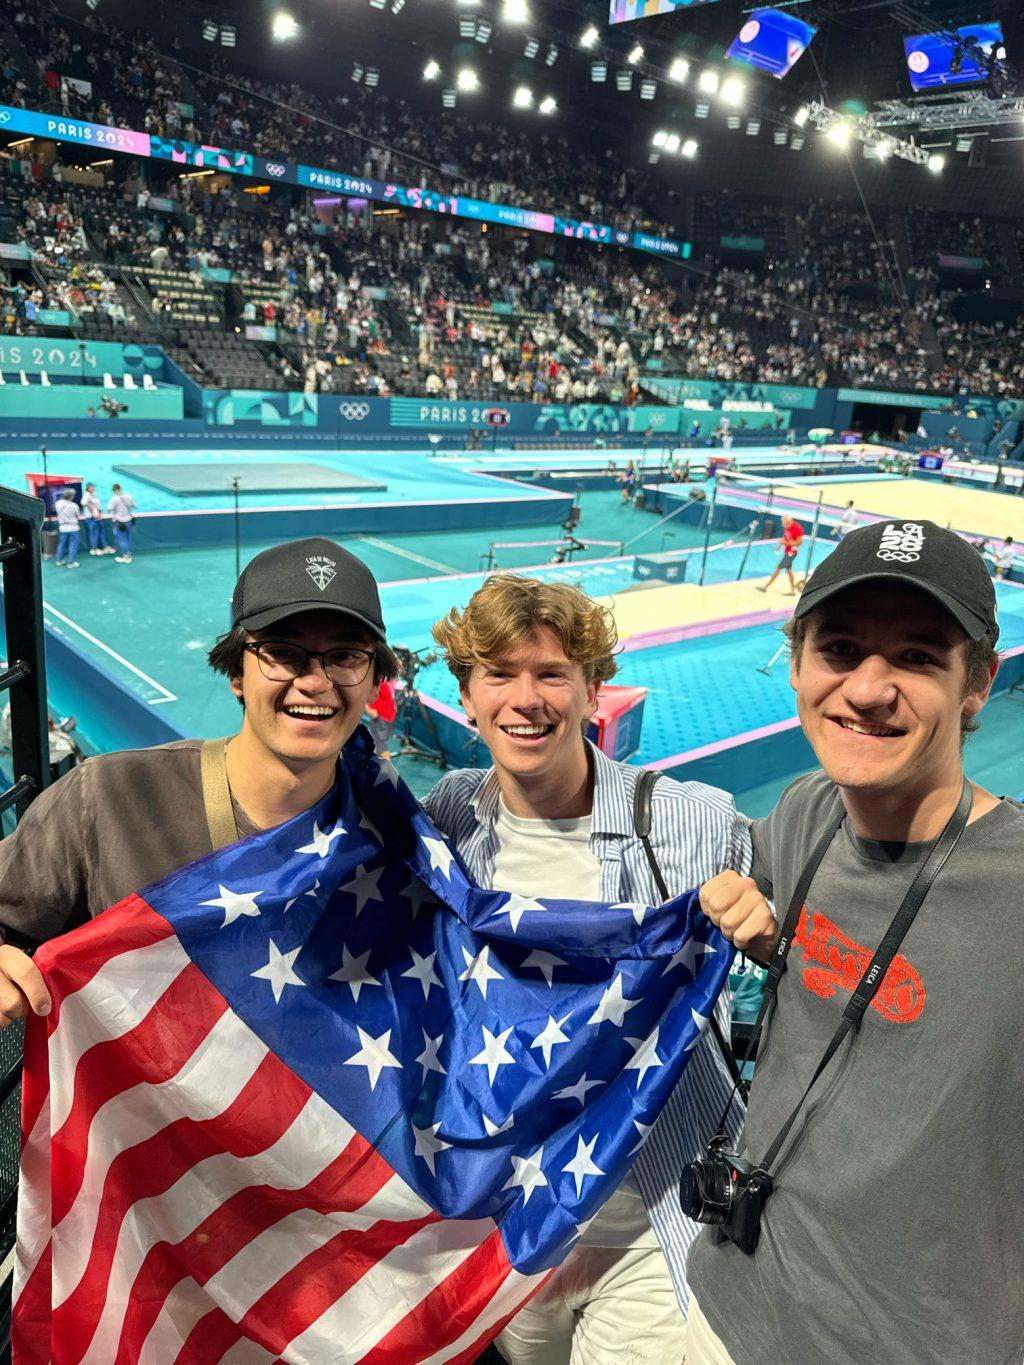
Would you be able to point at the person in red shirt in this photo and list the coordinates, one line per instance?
(380, 719)
(792, 536)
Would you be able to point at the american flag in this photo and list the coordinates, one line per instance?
(318, 1098)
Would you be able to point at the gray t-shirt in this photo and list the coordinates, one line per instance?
(896, 1230)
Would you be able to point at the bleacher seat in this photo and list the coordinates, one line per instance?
(148, 382)
(24, 376)
(108, 382)
(44, 379)
(129, 382)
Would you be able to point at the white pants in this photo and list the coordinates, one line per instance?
(602, 1307)
(701, 1344)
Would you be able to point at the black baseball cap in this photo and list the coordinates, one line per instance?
(306, 575)
(920, 554)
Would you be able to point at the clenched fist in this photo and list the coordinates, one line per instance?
(735, 906)
(22, 988)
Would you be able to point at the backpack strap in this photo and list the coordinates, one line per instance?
(220, 813)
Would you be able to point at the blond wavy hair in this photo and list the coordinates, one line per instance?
(506, 611)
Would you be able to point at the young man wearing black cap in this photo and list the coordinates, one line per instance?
(304, 656)
(894, 1230)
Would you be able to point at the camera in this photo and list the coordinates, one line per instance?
(727, 1192)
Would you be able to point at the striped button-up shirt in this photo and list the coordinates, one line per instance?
(696, 833)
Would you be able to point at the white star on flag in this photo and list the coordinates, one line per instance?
(577, 1091)
(419, 895)
(614, 1005)
(428, 1058)
(440, 854)
(493, 1053)
(581, 1228)
(686, 956)
(353, 972)
(637, 907)
(280, 970)
(492, 1129)
(546, 962)
(313, 891)
(478, 969)
(427, 1144)
(528, 1174)
(644, 1056)
(388, 773)
(235, 903)
(551, 1035)
(364, 886)
(644, 1129)
(322, 840)
(582, 1163)
(366, 823)
(701, 1021)
(516, 907)
(375, 1054)
(422, 970)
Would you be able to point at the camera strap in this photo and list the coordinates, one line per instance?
(642, 793)
(876, 969)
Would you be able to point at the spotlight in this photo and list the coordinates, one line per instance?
(653, 158)
(431, 71)
(624, 81)
(92, 4)
(839, 133)
(702, 109)
(523, 97)
(648, 89)
(732, 122)
(515, 12)
(467, 80)
(227, 35)
(733, 92)
(358, 72)
(780, 136)
(547, 105)
(467, 26)
(707, 82)
(598, 71)
(659, 139)
(689, 148)
(883, 150)
(551, 56)
(589, 37)
(397, 6)
(531, 48)
(935, 164)
(483, 30)
(283, 26)
(372, 78)
(796, 142)
(753, 127)
(679, 70)
(672, 142)
(448, 98)
(634, 54)
(801, 116)
(210, 31)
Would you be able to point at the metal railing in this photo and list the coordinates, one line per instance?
(24, 677)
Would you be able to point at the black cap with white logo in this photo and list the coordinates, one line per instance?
(919, 554)
(306, 575)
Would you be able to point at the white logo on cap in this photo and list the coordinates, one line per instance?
(321, 570)
(902, 543)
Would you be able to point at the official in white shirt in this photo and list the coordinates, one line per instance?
(69, 514)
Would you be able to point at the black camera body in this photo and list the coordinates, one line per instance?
(727, 1192)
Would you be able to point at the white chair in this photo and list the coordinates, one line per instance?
(129, 382)
(148, 382)
(108, 382)
(44, 379)
(2, 379)
(24, 376)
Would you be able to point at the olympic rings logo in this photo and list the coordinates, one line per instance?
(275, 168)
(355, 412)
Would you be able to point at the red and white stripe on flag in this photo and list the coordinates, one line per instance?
(185, 1197)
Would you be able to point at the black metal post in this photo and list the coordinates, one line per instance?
(235, 486)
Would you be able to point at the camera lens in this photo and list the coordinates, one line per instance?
(706, 1190)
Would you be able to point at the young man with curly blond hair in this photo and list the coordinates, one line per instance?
(554, 817)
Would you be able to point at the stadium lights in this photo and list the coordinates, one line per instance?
(733, 92)
(397, 6)
(648, 88)
(659, 139)
(358, 72)
(431, 71)
(679, 70)
(707, 82)
(531, 47)
(589, 37)
(448, 98)
(598, 71)
(227, 35)
(780, 136)
(483, 30)
(672, 142)
(547, 105)
(883, 150)
(467, 26)
(283, 26)
(702, 109)
(372, 78)
(210, 31)
(634, 54)
(515, 12)
(733, 122)
(467, 80)
(753, 127)
(551, 56)
(839, 134)
(801, 116)
(796, 142)
(623, 81)
(936, 164)
(866, 128)
(523, 97)
(689, 148)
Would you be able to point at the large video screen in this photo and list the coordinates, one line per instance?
(935, 60)
(622, 11)
(772, 41)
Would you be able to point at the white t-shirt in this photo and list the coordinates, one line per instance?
(848, 521)
(553, 858)
(1004, 556)
(91, 504)
(121, 507)
(68, 514)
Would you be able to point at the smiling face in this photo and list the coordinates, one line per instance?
(881, 685)
(530, 707)
(307, 720)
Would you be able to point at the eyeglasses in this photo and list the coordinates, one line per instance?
(283, 662)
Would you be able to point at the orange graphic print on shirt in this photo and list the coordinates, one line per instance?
(901, 996)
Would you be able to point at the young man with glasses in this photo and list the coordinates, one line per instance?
(895, 1229)
(304, 656)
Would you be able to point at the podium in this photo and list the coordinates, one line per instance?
(616, 727)
(667, 567)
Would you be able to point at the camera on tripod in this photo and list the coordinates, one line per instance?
(112, 407)
(411, 661)
(727, 1192)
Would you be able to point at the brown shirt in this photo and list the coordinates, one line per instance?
(110, 827)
